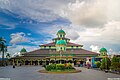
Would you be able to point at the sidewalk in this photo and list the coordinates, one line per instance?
(110, 71)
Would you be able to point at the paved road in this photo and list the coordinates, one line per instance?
(31, 73)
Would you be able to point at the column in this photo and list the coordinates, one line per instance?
(24, 62)
(38, 62)
(13, 62)
(17, 62)
(31, 62)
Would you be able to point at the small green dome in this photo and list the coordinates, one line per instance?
(103, 49)
(61, 42)
(61, 32)
(23, 50)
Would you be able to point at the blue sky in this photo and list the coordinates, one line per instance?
(29, 23)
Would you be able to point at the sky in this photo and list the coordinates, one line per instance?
(30, 23)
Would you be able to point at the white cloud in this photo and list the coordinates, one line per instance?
(95, 48)
(19, 37)
(16, 48)
(37, 10)
(28, 34)
(95, 21)
(92, 13)
(7, 26)
(36, 42)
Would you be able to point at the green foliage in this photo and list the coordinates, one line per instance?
(115, 64)
(3, 49)
(106, 63)
(98, 64)
(50, 67)
(115, 59)
(69, 66)
(59, 67)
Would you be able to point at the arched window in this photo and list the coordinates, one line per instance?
(44, 46)
(61, 48)
(60, 35)
(49, 47)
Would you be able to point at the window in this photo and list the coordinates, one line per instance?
(61, 48)
(50, 47)
(61, 35)
(76, 46)
(44, 46)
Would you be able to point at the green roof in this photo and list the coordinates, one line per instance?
(61, 32)
(103, 49)
(23, 50)
(61, 42)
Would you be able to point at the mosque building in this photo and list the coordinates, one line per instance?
(60, 50)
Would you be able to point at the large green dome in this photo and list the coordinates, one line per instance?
(61, 32)
(23, 50)
(103, 49)
(63, 42)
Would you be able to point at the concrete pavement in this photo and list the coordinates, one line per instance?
(31, 73)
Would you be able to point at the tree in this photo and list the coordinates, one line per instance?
(115, 64)
(8, 56)
(106, 63)
(3, 48)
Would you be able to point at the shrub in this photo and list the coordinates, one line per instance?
(50, 67)
(115, 64)
(106, 63)
(98, 64)
(60, 66)
(69, 66)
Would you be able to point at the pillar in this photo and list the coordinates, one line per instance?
(38, 62)
(31, 62)
(13, 62)
(24, 62)
(17, 62)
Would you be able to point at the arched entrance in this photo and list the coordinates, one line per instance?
(70, 61)
(27, 62)
(40, 62)
(47, 62)
(52, 61)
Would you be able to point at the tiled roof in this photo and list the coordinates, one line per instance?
(39, 51)
(83, 51)
(72, 44)
(49, 44)
(74, 51)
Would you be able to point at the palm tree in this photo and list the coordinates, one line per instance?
(3, 48)
(8, 56)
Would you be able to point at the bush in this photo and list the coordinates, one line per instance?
(50, 67)
(69, 66)
(106, 63)
(98, 64)
(60, 66)
(115, 64)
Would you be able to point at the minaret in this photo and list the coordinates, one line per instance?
(61, 34)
